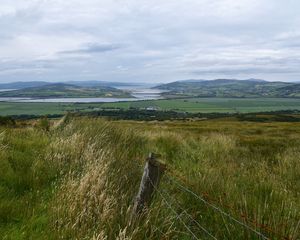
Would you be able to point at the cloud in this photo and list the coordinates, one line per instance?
(151, 40)
(247, 70)
(93, 48)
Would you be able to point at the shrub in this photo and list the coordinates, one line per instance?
(7, 121)
(43, 124)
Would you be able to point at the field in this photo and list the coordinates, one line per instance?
(8, 108)
(78, 180)
(193, 105)
(215, 104)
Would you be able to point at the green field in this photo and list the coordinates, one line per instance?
(193, 105)
(215, 104)
(9, 108)
(79, 180)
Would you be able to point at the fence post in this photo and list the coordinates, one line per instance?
(153, 171)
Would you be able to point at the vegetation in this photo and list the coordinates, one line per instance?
(7, 121)
(61, 90)
(43, 124)
(78, 180)
(25, 184)
(192, 105)
(230, 88)
(210, 105)
(86, 83)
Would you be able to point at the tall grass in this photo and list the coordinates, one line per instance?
(24, 184)
(82, 178)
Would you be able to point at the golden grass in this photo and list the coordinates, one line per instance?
(250, 170)
(237, 167)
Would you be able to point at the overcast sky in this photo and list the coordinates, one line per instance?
(149, 40)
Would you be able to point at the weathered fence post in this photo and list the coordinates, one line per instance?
(152, 173)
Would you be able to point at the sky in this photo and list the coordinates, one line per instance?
(150, 41)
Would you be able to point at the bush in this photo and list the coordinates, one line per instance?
(7, 121)
(44, 124)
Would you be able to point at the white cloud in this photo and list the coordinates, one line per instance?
(149, 40)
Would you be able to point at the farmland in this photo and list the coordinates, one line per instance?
(215, 104)
(193, 105)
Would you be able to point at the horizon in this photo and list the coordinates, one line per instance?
(152, 42)
(147, 83)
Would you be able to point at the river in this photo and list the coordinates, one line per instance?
(138, 93)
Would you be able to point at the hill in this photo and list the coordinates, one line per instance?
(20, 85)
(229, 88)
(78, 180)
(62, 90)
(93, 83)
(292, 90)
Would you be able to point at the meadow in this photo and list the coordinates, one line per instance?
(209, 105)
(192, 105)
(78, 179)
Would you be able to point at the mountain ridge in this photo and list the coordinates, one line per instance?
(64, 90)
(90, 83)
(229, 88)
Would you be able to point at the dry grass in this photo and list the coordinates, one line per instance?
(250, 170)
(103, 179)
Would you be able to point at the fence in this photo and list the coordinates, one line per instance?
(153, 172)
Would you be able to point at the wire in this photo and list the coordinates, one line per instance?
(216, 208)
(185, 211)
(174, 211)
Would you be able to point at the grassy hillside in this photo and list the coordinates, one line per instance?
(230, 88)
(78, 181)
(89, 84)
(19, 85)
(61, 90)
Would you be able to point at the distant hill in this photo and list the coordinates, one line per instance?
(93, 83)
(62, 90)
(20, 85)
(292, 90)
(229, 88)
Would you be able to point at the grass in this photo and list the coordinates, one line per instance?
(78, 180)
(215, 104)
(206, 105)
(24, 184)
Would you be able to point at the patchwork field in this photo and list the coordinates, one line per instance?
(215, 104)
(193, 105)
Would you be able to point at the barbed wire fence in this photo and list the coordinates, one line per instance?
(159, 169)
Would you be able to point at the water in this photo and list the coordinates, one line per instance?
(138, 92)
(12, 99)
(75, 100)
(6, 90)
(146, 94)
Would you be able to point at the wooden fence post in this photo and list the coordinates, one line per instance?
(152, 173)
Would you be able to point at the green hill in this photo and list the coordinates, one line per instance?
(19, 85)
(78, 179)
(229, 88)
(93, 83)
(292, 90)
(61, 90)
